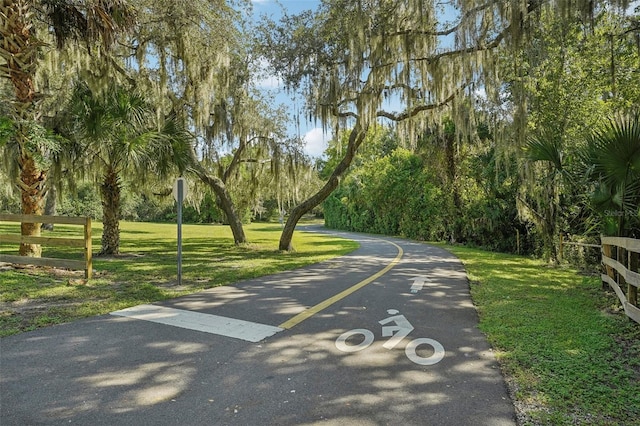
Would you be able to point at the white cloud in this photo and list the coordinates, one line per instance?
(315, 142)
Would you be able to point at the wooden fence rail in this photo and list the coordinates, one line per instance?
(563, 243)
(85, 243)
(620, 263)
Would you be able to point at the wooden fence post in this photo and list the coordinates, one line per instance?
(621, 269)
(85, 243)
(88, 251)
(632, 291)
(606, 251)
(622, 258)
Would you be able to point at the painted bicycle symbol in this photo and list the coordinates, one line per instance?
(396, 333)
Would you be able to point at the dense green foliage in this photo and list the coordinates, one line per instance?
(554, 150)
(613, 159)
(390, 195)
(399, 192)
(145, 205)
(474, 198)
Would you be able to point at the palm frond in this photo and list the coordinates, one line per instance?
(7, 130)
(612, 160)
(614, 151)
(547, 148)
(89, 20)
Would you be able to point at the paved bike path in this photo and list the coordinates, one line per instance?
(120, 370)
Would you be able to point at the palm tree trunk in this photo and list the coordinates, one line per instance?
(32, 182)
(18, 51)
(110, 190)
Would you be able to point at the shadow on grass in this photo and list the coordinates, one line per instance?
(156, 260)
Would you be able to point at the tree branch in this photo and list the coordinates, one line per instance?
(444, 32)
(418, 109)
(533, 5)
(255, 160)
(237, 156)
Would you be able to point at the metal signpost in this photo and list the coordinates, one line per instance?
(179, 193)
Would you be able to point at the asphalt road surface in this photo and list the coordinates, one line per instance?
(386, 335)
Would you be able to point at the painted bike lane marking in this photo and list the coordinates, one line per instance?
(396, 334)
(418, 283)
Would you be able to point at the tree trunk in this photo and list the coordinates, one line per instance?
(110, 190)
(18, 49)
(32, 182)
(454, 186)
(225, 203)
(224, 200)
(550, 208)
(50, 206)
(229, 209)
(355, 140)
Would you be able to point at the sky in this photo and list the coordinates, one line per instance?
(274, 6)
(313, 136)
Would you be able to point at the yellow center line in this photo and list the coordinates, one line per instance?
(309, 312)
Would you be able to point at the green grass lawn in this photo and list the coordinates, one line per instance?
(146, 270)
(570, 356)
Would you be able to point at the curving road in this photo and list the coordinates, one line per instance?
(386, 335)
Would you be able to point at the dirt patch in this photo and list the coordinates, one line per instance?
(33, 308)
(21, 313)
(28, 314)
(34, 270)
(111, 257)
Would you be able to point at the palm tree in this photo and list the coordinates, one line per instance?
(540, 198)
(612, 161)
(119, 132)
(79, 20)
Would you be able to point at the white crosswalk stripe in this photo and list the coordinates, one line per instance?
(214, 324)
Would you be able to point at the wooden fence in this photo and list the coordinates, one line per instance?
(85, 242)
(620, 262)
(564, 243)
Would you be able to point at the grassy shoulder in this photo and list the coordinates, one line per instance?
(569, 355)
(146, 269)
